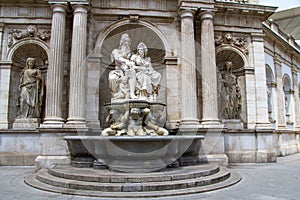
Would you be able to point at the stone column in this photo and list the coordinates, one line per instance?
(55, 74)
(208, 70)
(296, 97)
(258, 60)
(189, 104)
(78, 67)
(281, 122)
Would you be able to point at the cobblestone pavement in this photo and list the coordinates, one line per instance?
(272, 181)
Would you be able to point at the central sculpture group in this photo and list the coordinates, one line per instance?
(134, 76)
(134, 85)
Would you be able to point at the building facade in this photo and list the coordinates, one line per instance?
(227, 71)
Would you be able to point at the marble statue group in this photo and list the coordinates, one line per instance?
(134, 76)
(134, 84)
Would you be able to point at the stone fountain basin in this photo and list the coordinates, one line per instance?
(134, 154)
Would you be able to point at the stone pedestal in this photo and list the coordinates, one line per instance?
(233, 123)
(26, 123)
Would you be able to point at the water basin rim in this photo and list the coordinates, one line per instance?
(136, 138)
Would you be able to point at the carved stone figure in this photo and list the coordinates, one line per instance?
(123, 89)
(31, 91)
(230, 90)
(143, 80)
(151, 122)
(124, 67)
(147, 78)
(134, 85)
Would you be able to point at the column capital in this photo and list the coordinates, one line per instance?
(59, 7)
(187, 13)
(80, 6)
(207, 14)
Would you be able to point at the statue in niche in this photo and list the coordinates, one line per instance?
(230, 90)
(147, 78)
(124, 67)
(135, 81)
(143, 80)
(31, 91)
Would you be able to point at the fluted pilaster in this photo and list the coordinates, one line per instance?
(78, 66)
(56, 67)
(188, 70)
(281, 122)
(208, 70)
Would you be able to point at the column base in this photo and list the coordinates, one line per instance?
(76, 123)
(189, 126)
(212, 123)
(53, 123)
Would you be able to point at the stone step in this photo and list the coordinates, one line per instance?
(106, 176)
(47, 178)
(233, 179)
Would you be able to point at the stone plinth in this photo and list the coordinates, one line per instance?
(233, 123)
(26, 123)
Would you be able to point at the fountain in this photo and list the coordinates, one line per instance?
(135, 155)
(134, 141)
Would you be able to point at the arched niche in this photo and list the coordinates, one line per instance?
(110, 39)
(269, 75)
(18, 57)
(286, 80)
(270, 92)
(239, 63)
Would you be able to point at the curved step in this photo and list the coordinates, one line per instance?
(233, 179)
(106, 176)
(47, 178)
